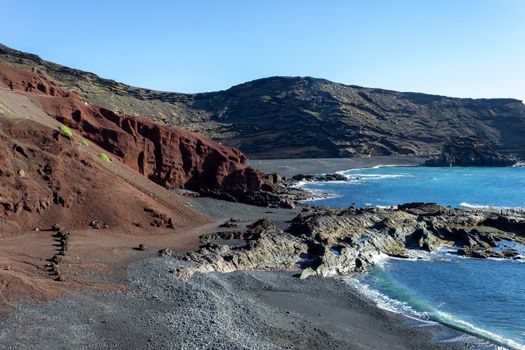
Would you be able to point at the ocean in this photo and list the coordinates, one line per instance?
(485, 298)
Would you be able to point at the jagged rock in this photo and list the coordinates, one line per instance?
(225, 235)
(470, 151)
(330, 241)
(166, 252)
(230, 223)
(97, 224)
(326, 177)
(509, 253)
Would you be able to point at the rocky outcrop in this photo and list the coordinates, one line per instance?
(325, 177)
(469, 151)
(328, 241)
(267, 248)
(293, 117)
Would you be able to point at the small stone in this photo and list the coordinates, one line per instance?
(141, 247)
(166, 252)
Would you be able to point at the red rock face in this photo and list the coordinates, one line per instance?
(171, 157)
(15, 79)
(45, 178)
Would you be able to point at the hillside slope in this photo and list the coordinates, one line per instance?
(101, 168)
(282, 117)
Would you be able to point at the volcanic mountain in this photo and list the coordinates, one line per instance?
(295, 117)
(65, 160)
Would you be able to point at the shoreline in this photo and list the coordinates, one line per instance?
(305, 314)
(443, 331)
(311, 166)
(265, 309)
(239, 310)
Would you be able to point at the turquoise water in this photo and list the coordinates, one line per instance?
(482, 297)
(459, 187)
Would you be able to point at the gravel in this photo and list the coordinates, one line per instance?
(240, 310)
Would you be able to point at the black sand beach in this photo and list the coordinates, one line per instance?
(291, 167)
(240, 310)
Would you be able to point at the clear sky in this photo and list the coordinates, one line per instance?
(466, 48)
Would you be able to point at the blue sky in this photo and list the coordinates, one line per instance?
(466, 48)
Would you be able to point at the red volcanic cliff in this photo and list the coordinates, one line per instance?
(171, 157)
(19, 80)
(47, 178)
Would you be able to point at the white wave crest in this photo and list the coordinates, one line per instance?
(377, 176)
(475, 206)
(481, 206)
(452, 321)
(386, 303)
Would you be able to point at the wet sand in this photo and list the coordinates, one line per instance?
(310, 166)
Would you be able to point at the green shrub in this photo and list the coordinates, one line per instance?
(66, 131)
(84, 143)
(104, 157)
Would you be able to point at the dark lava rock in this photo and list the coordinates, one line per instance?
(509, 253)
(62, 235)
(166, 252)
(56, 259)
(97, 224)
(419, 208)
(469, 151)
(230, 223)
(326, 177)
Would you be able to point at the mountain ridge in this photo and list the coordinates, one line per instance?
(38, 59)
(299, 117)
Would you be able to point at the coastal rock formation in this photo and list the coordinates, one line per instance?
(329, 241)
(294, 117)
(325, 177)
(469, 151)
